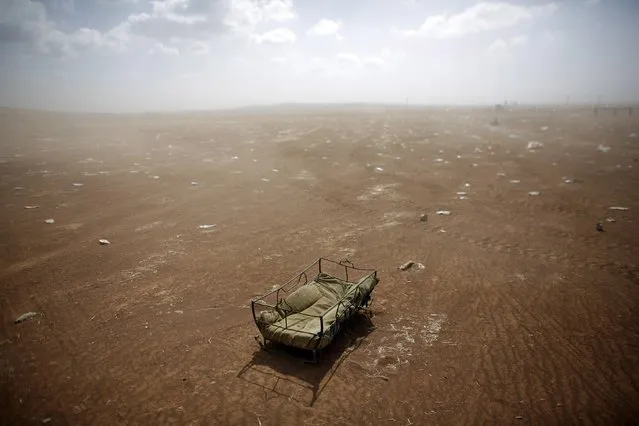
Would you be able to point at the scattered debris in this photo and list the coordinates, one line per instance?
(599, 227)
(49, 221)
(618, 208)
(25, 317)
(207, 226)
(533, 193)
(423, 217)
(31, 207)
(603, 148)
(442, 212)
(104, 242)
(534, 145)
(410, 264)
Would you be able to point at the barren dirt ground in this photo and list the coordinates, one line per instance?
(524, 314)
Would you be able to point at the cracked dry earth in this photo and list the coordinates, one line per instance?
(524, 313)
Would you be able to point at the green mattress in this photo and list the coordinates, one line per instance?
(308, 317)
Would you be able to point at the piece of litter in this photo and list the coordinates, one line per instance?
(265, 180)
(156, 177)
(275, 170)
(463, 197)
(25, 317)
(501, 174)
(194, 183)
(514, 181)
(411, 264)
(49, 221)
(533, 193)
(611, 219)
(46, 420)
(78, 184)
(461, 193)
(534, 145)
(567, 180)
(18, 188)
(104, 242)
(443, 212)
(179, 312)
(618, 208)
(31, 207)
(235, 157)
(379, 169)
(544, 128)
(423, 217)
(207, 226)
(467, 185)
(603, 148)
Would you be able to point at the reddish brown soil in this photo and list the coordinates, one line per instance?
(524, 313)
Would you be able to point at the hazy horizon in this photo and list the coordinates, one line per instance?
(194, 55)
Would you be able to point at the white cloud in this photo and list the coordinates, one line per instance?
(244, 16)
(326, 27)
(483, 16)
(374, 61)
(276, 36)
(161, 49)
(500, 45)
(26, 22)
(199, 48)
(348, 59)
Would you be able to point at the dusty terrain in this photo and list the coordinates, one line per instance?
(524, 314)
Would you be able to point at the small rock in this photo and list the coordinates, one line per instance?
(534, 145)
(31, 207)
(265, 180)
(603, 148)
(423, 217)
(533, 193)
(77, 185)
(46, 420)
(194, 183)
(49, 221)
(461, 193)
(519, 417)
(379, 169)
(410, 264)
(179, 311)
(443, 212)
(104, 242)
(611, 220)
(25, 317)
(599, 227)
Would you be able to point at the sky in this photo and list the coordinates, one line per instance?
(163, 55)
